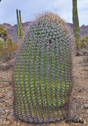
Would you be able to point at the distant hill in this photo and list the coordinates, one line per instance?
(83, 29)
(12, 30)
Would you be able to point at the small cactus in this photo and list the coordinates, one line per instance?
(42, 74)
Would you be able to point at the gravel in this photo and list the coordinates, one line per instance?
(78, 101)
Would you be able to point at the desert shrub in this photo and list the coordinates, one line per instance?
(7, 47)
(84, 39)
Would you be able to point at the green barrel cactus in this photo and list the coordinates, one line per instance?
(42, 74)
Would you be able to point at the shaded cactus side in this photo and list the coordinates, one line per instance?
(43, 71)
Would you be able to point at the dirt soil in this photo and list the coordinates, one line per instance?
(79, 98)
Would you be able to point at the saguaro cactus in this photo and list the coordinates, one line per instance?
(76, 24)
(18, 28)
(21, 28)
(19, 24)
(42, 75)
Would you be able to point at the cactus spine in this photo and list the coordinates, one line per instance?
(43, 71)
(19, 24)
(76, 24)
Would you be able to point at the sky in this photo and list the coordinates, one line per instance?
(31, 8)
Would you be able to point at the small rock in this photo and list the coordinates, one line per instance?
(1, 111)
(1, 96)
(51, 124)
(81, 120)
(0, 63)
(7, 122)
(8, 113)
(2, 119)
(86, 106)
(85, 122)
(10, 118)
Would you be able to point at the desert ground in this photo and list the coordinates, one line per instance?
(78, 111)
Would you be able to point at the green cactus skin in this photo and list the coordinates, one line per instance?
(76, 24)
(21, 28)
(18, 26)
(42, 74)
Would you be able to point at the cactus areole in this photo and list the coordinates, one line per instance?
(42, 74)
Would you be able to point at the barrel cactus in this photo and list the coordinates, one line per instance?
(42, 74)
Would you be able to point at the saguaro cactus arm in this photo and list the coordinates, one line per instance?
(18, 25)
(20, 22)
(76, 24)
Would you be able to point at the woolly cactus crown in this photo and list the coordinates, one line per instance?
(43, 71)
